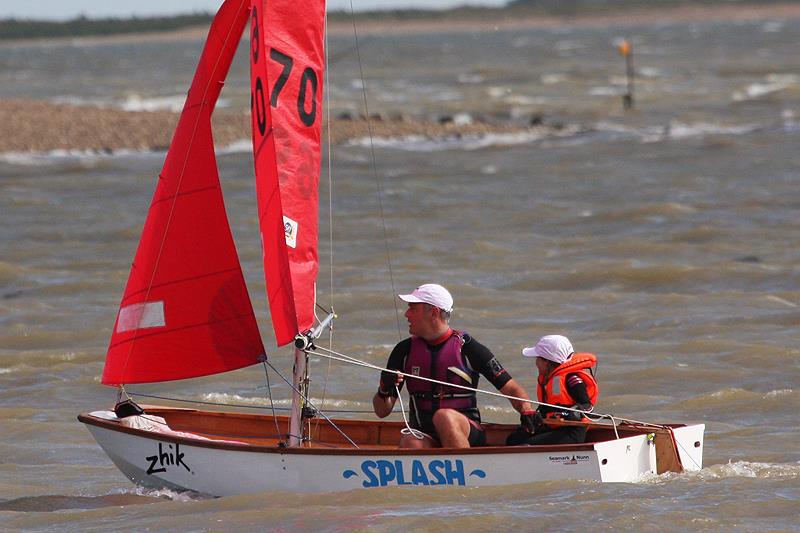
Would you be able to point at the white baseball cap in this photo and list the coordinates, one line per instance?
(555, 348)
(431, 294)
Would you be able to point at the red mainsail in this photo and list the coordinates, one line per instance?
(286, 59)
(186, 311)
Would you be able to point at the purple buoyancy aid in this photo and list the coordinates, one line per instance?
(445, 364)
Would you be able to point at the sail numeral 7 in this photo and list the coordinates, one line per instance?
(309, 78)
(287, 63)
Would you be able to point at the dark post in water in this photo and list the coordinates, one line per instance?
(626, 50)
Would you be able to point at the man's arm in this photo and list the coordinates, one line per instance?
(512, 388)
(484, 361)
(384, 399)
(383, 405)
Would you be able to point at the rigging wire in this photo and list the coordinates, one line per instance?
(378, 184)
(326, 77)
(240, 406)
(269, 391)
(308, 402)
(206, 402)
(329, 167)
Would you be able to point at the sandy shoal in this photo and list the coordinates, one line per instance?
(36, 126)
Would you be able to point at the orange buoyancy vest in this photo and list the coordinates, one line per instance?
(552, 388)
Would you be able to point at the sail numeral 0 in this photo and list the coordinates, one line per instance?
(307, 81)
(309, 76)
(259, 106)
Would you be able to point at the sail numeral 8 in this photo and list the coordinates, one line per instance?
(255, 44)
(257, 98)
(307, 80)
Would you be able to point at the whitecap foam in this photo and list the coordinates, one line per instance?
(567, 46)
(751, 470)
(471, 141)
(81, 101)
(773, 26)
(497, 92)
(606, 91)
(680, 130)
(421, 143)
(552, 79)
(242, 146)
(524, 100)
(673, 130)
(462, 119)
(772, 83)
(648, 72)
(25, 159)
(776, 393)
(60, 155)
(135, 102)
(164, 493)
(227, 399)
(281, 404)
(471, 78)
(51, 157)
(738, 469)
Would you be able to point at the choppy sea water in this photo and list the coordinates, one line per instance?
(663, 239)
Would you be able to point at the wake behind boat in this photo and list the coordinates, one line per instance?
(186, 312)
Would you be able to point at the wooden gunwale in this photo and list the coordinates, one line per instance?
(215, 429)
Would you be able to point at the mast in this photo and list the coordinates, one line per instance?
(302, 344)
(299, 392)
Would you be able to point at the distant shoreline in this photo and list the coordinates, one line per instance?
(106, 129)
(492, 20)
(508, 20)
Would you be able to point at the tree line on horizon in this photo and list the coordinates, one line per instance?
(83, 26)
(13, 28)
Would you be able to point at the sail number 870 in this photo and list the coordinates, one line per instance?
(307, 89)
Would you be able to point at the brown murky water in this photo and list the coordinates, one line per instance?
(663, 239)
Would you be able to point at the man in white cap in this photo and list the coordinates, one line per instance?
(566, 379)
(447, 415)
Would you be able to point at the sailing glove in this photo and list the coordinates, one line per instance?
(530, 420)
(390, 383)
(574, 415)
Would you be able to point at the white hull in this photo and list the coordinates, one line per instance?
(225, 467)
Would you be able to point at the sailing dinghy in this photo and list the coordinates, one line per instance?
(186, 312)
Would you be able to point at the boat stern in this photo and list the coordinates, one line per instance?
(626, 459)
(689, 441)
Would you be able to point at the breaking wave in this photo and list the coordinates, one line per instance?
(135, 102)
(750, 470)
(737, 469)
(422, 143)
